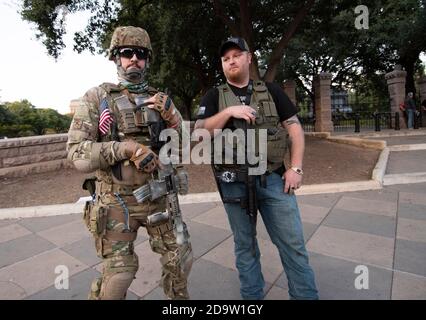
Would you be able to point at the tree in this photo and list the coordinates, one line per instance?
(299, 38)
(21, 118)
(185, 35)
(399, 29)
(357, 59)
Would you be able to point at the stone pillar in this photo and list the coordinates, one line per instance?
(289, 87)
(322, 83)
(396, 86)
(421, 82)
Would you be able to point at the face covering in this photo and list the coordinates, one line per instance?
(132, 78)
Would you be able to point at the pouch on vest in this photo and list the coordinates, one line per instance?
(277, 144)
(97, 219)
(127, 115)
(266, 106)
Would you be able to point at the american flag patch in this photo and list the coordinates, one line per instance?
(105, 118)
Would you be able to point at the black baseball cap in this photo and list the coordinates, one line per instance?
(236, 42)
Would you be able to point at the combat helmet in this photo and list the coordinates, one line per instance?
(129, 37)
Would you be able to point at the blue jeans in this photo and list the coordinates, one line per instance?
(410, 115)
(281, 217)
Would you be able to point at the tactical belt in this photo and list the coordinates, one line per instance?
(116, 188)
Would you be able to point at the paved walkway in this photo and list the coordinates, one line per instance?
(383, 230)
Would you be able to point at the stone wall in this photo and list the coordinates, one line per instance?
(22, 156)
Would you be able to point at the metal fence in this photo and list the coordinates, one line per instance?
(363, 121)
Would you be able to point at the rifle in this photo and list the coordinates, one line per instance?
(250, 181)
(166, 184)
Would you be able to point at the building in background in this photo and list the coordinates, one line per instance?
(340, 101)
(74, 105)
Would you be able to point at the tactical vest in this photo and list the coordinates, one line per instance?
(266, 118)
(129, 122)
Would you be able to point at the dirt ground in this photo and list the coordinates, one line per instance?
(324, 162)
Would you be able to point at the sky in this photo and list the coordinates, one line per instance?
(28, 72)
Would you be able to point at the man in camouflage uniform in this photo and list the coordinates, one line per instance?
(109, 134)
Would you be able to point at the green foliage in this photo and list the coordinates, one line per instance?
(20, 118)
(186, 36)
(357, 59)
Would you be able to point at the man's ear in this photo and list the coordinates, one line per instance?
(249, 55)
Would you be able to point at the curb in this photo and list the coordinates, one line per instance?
(339, 187)
(360, 142)
(41, 211)
(386, 134)
(404, 178)
(408, 147)
(74, 208)
(380, 168)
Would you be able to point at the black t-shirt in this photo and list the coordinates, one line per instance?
(209, 105)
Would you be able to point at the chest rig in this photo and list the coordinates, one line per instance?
(266, 118)
(132, 119)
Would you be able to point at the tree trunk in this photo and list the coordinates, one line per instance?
(278, 52)
(409, 84)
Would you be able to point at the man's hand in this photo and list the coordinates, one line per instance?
(165, 106)
(292, 181)
(145, 159)
(142, 156)
(242, 112)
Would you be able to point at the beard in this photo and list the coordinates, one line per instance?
(234, 76)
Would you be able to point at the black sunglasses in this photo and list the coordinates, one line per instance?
(141, 53)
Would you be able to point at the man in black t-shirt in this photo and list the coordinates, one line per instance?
(262, 105)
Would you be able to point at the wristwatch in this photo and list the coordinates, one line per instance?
(297, 170)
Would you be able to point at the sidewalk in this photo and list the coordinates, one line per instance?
(384, 230)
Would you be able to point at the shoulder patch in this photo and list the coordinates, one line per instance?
(77, 124)
(201, 111)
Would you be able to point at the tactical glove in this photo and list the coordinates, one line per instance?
(167, 109)
(145, 159)
(142, 156)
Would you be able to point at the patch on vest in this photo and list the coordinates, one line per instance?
(201, 111)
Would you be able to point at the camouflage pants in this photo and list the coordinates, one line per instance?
(116, 247)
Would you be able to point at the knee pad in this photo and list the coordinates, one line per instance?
(114, 286)
(118, 274)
